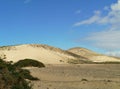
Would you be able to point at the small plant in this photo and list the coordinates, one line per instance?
(3, 56)
(109, 81)
(61, 61)
(84, 80)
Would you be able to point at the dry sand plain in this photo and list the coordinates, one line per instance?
(82, 76)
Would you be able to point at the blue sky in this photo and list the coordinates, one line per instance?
(60, 23)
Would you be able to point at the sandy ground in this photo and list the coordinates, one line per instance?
(83, 76)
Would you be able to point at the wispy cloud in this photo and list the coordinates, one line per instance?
(93, 19)
(108, 39)
(27, 1)
(112, 17)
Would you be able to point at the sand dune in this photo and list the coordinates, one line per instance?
(43, 53)
(50, 55)
(93, 56)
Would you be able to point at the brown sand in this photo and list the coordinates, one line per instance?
(83, 76)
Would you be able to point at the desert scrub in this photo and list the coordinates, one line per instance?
(13, 77)
(2, 56)
(29, 63)
(84, 79)
(8, 48)
(78, 61)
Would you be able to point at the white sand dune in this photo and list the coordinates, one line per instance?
(43, 53)
(50, 55)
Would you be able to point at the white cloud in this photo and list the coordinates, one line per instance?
(112, 17)
(93, 19)
(116, 7)
(108, 39)
(113, 53)
(27, 1)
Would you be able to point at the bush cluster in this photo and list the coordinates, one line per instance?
(12, 76)
(29, 63)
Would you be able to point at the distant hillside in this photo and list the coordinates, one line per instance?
(93, 56)
(83, 52)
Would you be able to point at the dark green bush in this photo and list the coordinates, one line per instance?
(26, 74)
(13, 77)
(23, 85)
(84, 79)
(29, 63)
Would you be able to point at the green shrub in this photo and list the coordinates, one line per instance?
(23, 85)
(29, 63)
(26, 74)
(13, 77)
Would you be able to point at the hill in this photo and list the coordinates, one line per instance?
(93, 56)
(43, 53)
(52, 55)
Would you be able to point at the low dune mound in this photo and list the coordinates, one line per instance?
(93, 56)
(43, 53)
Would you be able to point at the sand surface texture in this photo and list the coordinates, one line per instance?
(83, 76)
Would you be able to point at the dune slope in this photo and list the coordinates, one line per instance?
(43, 53)
(93, 56)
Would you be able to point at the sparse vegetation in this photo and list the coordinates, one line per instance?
(13, 77)
(61, 61)
(2, 56)
(78, 61)
(108, 63)
(57, 50)
(7, 48)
